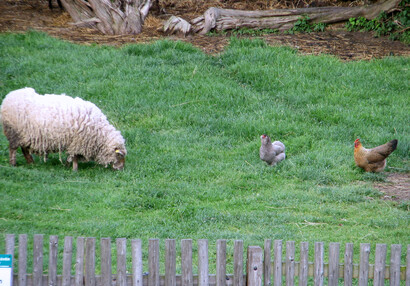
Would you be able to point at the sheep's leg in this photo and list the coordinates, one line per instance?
(12, 154)
(14, 142)
(75, 163)
(27, 155)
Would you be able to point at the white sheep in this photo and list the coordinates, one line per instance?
(50, 123)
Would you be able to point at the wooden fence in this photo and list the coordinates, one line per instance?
(260, 268)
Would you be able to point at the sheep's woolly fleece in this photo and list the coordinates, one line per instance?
(56, 123)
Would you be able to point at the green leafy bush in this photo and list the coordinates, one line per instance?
(395, 24)
(303, 25)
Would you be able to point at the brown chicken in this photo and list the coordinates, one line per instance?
(373, 160)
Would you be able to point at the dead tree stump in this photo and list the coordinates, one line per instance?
(113, 17)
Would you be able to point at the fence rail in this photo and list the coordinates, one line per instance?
(260, 268)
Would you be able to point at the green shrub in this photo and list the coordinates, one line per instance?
(395, 25)
(303, 25)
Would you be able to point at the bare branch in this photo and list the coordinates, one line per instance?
(177, 24)
(87, 23)
(145, 9)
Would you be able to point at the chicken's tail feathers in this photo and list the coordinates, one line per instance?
(383, 150)
(280, 157)
(278, 146)
(393, 144)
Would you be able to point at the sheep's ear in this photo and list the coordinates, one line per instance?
(119, 152)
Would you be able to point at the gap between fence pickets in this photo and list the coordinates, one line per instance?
(259, 265)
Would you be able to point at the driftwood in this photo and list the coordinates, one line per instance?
(114, 17)
(177, 24)
(282, 19)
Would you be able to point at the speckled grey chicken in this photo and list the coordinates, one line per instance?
(271, 153)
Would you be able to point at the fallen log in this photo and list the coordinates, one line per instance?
(282, 19)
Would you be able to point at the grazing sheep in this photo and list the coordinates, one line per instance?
(43, 124)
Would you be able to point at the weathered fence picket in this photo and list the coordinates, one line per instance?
(254, 267)
(290, 263)
(395, 254)
(67, 260)
(203, 263)
(170, 262)
(106, 266)
(22, 277)
(266, 263)
(364, 264)
(220, 262)
(10, 244)
(238, 263)
(408, 266)
(304, 264)
(153, 262)
(52, 261)
(90, 261)
(38, 260)
(277, 273)
(261, 269)
(121, 262)
(79, 262)
(379, 265)
(319, 264)
(348, 265)
(186, 262)
(137, 273)
(334, 253)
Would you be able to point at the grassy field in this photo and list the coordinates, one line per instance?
(192, 124)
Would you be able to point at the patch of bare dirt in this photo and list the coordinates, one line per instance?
(396, 188)
(22, 15)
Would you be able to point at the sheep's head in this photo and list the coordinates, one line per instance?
(119, 161)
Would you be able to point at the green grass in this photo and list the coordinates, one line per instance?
(192, 124)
